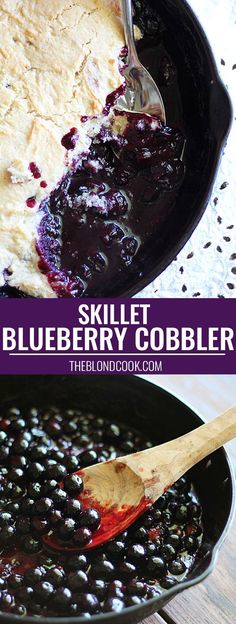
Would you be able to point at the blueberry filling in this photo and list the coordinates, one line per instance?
(151, 556)
(89, 223)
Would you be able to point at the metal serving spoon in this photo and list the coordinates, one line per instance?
(142, 94)
(123, 488)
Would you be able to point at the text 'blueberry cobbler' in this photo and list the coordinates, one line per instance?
(40, 449)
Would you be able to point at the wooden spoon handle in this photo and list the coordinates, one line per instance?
(160, 466)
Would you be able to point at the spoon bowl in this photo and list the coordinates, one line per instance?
(123, 488)
(141, 94)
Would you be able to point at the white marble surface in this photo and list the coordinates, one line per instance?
(210, 272)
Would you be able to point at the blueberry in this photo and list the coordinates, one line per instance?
(61, 599)
(18, 424)
(13, 508)
(77, 581)
(6, 600)
(23, 525)
(49, 486)
(57, 472)
(57, 455)
(88, 603)
(59, 497)
(56, 518)
(18, 461)
(34, 575)
(167, 517)
(27, 506)
(6, 518)
(34, 490)
(194, 511)
(126, 570)
(4, 454)
(7, 535)
(181, 513)
(141, 534)
(177, 567)
(35, 471)
(77, 562)
(20, 445)
(73, 508)
(114, 587)
(182, 484)
(72, 463)
(174, 540)
(162, 502)
(167, 551)
(190, 544)
(19, 610)
(15, 580)
(53, 429)
(103, 569)
(73, 484)
(136, 553)
(127, 446)
(31, 545)
(132, 601)
(99, 588)
(55, 576)
(113, 604)
(43, 590)
(43, 506)
(136, 588)
(82, 537)
(12, 490)
(112, 432)
(156, 567)
(24, 594)
(38, 452)
(88, 458)
(167, 582)
(40, 525)
(151, 548)
(148, 521)
(70, 427)
(67, 529)
(111, 232)
(90, 518)
(116, 549)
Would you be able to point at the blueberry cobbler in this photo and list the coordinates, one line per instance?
(41, 451)
(81, 185)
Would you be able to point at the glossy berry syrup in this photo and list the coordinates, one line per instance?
(39, 450)
(93, 224)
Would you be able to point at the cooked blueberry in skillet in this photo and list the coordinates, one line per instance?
(40, 496)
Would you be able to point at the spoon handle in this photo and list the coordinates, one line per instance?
(160, 466)
(129, 30)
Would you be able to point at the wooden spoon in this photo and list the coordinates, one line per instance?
(123, 488)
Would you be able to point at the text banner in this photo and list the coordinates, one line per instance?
(148, 336)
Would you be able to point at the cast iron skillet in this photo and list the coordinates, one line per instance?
(161, 415)
(198, 104)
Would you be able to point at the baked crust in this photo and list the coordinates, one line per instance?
(58, 61)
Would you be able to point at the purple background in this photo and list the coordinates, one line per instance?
(163, 313)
